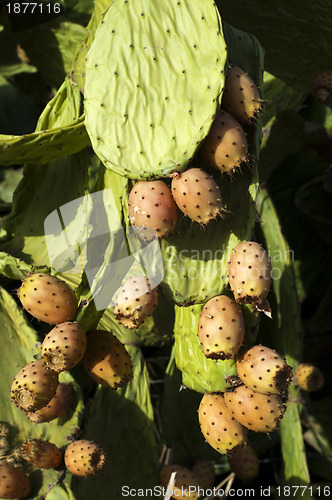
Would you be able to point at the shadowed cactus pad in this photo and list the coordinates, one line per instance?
(154, 78)
(48, 298)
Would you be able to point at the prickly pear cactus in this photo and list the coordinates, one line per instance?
(157, 68)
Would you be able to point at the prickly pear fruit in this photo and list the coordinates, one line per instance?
(34, 386)
(56, 407)
(186, 485)
(204, 473)
(135, 301)
(41, 454)
(264, 370)
(221, 328)
(309, 377)
(84, 458)
(241, 96)
(63, 347)
(107, 360)
(13, 482)
(244, 463)
(152, 210)
(257, 412)
(218, 425)
(226, 145)
(48, 298)
(197, 195)
(249, 274)
(322, 87)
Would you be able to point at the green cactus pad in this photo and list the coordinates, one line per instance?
(154, 78)
(198, 372)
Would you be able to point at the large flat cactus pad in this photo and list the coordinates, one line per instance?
(154, 79)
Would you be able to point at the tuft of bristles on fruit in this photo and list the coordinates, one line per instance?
(34, 386)
(322, 87)
(136, 300)
(41, 453)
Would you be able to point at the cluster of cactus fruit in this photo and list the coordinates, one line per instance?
(36, 389)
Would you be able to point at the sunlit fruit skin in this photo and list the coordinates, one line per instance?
(218, 425)
(309, 377)
(84, 458)
(63, 347)
(264, 370)
(257, 412)
(225, 147)
(241, 97)
(34, 386)
(186, 485)
(152, 210)
(48, 298)
(136, 300)
(250, 273)
(56, 407)
(106, 360)
(197, 195)
(221, 328)
(41, 453)
(13, 482)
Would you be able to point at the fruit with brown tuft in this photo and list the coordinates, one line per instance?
(13, 482)
(241, 97)
(34, 386)
(152, 210)
(136, 300)
(218, 425)
(185, 486)
(250, 275)
(255, 411)
(63, 347)
(221, 328)
(41, 453)
(84, 458)
(322, 87)
(106, 360)
(225, 147)
(197, 195)
(48, 298)
(264, 370)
